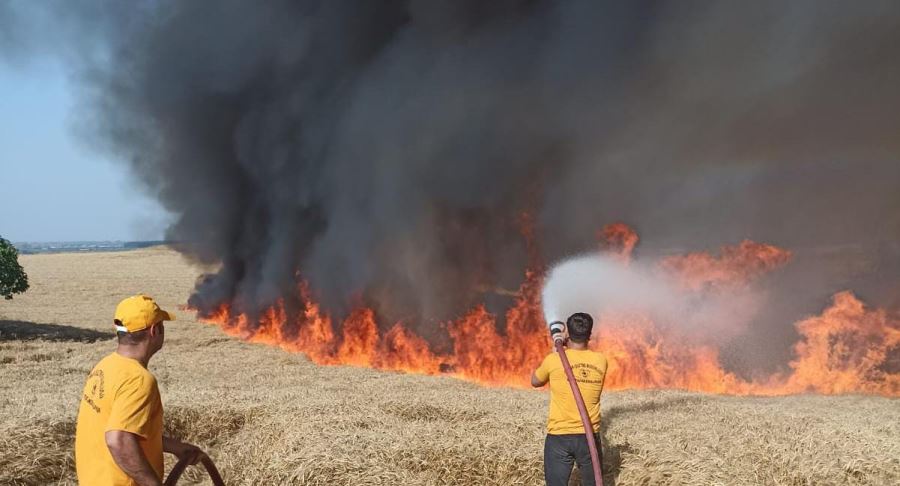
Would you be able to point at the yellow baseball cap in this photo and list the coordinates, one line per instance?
(139, 312)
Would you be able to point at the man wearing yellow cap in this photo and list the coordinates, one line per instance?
(118, 439)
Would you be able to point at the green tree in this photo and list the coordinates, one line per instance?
(12, 277)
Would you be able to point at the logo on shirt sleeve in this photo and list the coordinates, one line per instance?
(94, 389)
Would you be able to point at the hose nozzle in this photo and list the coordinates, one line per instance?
(557, 331)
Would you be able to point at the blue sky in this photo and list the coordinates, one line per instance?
(53, 186)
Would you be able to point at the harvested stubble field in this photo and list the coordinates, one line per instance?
(271, 417)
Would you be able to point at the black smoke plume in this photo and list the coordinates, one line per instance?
(386, 152)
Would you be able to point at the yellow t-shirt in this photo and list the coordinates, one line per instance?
(589, 368)
(120, 394)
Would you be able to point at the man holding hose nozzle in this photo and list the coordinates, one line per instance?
(566, 442)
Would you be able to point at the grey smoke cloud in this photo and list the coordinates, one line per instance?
(385, 151)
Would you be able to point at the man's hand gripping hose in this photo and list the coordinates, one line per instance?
(186, 461)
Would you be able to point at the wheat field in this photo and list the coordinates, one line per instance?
(267, 416)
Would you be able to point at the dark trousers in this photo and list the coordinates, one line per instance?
(561, 451)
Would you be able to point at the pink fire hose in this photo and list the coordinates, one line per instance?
(183, 463)
(582, 410)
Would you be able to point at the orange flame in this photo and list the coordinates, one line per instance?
(618, 239)
(737, 265)
(848, 348)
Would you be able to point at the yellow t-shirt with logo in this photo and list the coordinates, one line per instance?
(589, 368)
(120, 394)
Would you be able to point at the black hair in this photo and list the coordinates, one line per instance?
(580, 325)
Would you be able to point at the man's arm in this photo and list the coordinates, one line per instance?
(541, 375)
(537, 382)
(182, 449)
(125, 448)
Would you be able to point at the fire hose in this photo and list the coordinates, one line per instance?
(184, 462)
(556, 329)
